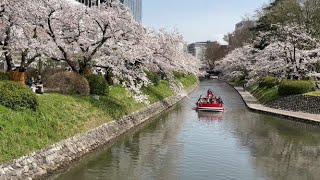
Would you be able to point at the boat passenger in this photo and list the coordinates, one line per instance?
(209, 93)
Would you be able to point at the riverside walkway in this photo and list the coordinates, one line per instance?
(253, 104)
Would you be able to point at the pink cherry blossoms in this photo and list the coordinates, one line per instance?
(106, 36)
(291, 52)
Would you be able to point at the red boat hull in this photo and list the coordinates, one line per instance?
(206, 106)
(210, 107)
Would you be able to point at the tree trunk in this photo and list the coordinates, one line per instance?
(294, 54)
(7, 54)
(83, 68)
(9, 62)
(23, 60)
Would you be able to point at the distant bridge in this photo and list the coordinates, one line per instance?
(213, 72)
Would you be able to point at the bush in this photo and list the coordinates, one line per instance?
(290, 87)
(69, 83)
(98, 84)
(241, 80)
(153, 77)
(48, 72)
(269, 82)
(17, 97)
(237, 77)
(4, 76)
(31, 72)
(179, 74)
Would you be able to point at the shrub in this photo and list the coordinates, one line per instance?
(31, 72)
(98, 84)
(69, 83)
(108, 76)
(241, 80)
(290, 87)
(48, 72)
(17, 97)
(153, 77)
(269, 82)
(4, 76)
(179, 74)
(237, 77)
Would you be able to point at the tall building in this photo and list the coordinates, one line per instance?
(136, 8)
(134, 5)
(198, 49)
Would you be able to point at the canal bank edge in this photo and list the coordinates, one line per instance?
(41, 163)
(253, 104)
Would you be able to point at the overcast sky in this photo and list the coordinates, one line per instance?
(198, 20)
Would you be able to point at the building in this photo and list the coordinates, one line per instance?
(136, 8)
(198, 49)
(134, 5)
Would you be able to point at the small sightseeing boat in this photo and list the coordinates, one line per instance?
(210, 103)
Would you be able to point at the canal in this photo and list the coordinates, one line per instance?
(183, 144)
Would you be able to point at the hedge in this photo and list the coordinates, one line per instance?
(98, 84)
(178, 74)
(269, 82)
(69, 83)
(4, 76)
(153, 77)
(291, 87)
(17, 97)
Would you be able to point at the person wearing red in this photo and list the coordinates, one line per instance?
(209, 93)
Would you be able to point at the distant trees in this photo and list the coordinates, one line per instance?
(311, 10)
(215, 52)
(240, 36)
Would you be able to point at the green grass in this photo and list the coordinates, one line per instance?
(158, 92)
(264, 95)
(58, 117)
(61, 116)
(313, 93)
(187, 81)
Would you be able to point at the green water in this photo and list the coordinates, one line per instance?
(184, 144)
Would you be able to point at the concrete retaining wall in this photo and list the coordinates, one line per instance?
(38, 164)
(253, 104)
(303, 103)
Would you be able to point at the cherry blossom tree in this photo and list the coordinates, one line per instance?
(237, 62)
(297, 44)
(168, 55)
(19, 39)
(291, 51)
(106, 36)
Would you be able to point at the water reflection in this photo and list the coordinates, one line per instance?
(185, 144)
(209, 116)
(151, 153)
(282, 149)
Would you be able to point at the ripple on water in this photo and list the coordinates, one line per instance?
(182, 144)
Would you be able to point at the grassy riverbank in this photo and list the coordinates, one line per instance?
(187, 81)
(265, 94)
(272, 88)
(61, 116)
(314, 93)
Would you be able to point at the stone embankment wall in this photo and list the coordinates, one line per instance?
(303, 103)
(41, 163)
